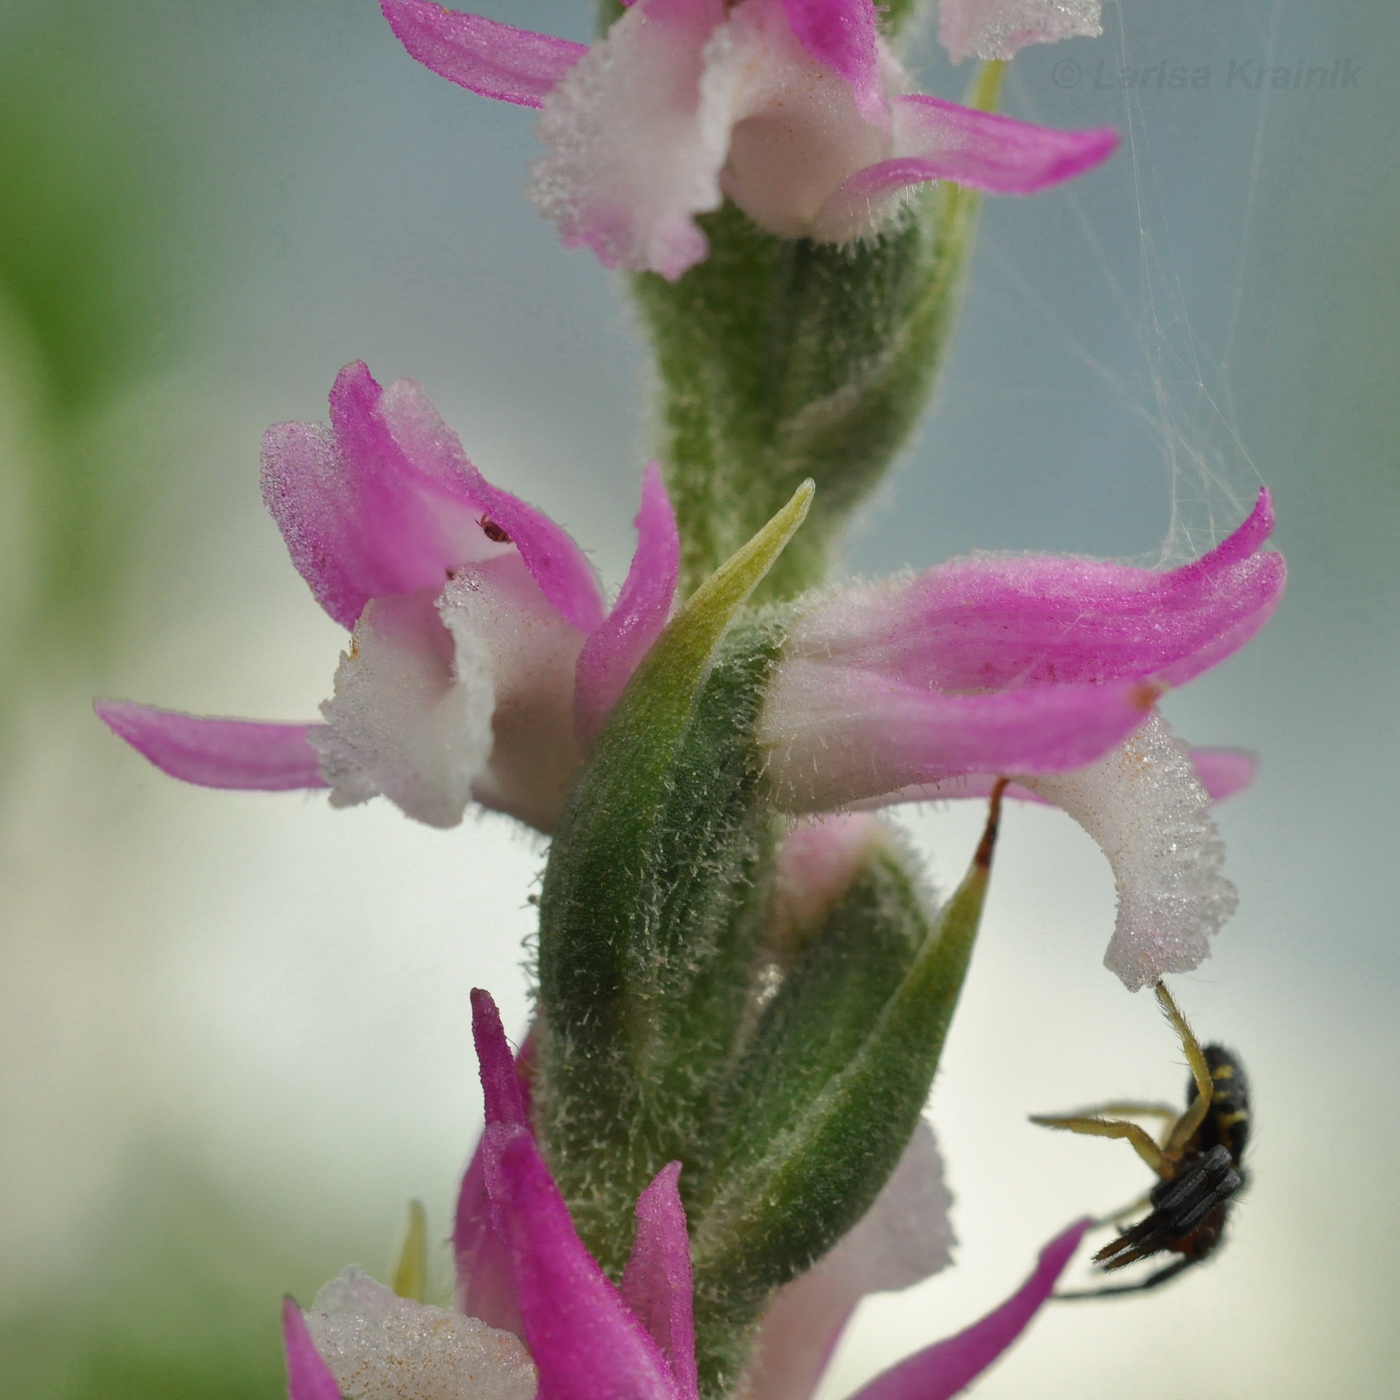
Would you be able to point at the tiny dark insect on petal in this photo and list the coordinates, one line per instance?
(492, 531)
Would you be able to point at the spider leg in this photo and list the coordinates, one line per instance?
(1110, 1128)
(1117, 1290)
(1126, 1108)
(1190, 1121)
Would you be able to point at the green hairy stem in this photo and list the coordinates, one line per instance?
(783, 359)
(786, 1080)
(673, 1023)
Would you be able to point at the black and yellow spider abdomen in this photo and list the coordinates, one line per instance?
(1227, 1123)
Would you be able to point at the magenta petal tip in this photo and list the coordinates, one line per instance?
(942, 1370)
(499, 1080)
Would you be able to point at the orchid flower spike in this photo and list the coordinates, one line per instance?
(483, 660)
(1045, 670)
(586, 1338)
(998, 28)
(795, 109)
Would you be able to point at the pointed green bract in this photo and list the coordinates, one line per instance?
(840, 1075)
(652, 903)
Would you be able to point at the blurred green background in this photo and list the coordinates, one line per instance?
(233, 1035)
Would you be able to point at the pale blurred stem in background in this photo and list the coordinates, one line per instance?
(98, 262)
(95, 269)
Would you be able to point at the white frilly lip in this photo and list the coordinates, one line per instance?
(680, 105)
(998, 28)
(1145, 806)
(379, 1346)
(460, 697)
(633, 153)
(796, 129)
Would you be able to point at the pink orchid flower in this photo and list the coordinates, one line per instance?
(483, 660)
(1045, 670)
(589, 1339)
(795, 109)
(998, 28)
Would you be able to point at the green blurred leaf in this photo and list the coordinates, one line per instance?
(175, 1297)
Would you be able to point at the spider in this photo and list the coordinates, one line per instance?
(1197, 1159)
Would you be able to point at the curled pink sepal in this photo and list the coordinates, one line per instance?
(942, 1370)
(308, 1376)
(385, 501)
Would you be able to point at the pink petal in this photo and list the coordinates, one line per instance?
(940, 140)
(585, 1342)
(611, 654)
(657, 1283)
(839, 736)
(386, 502)
(842, 35)
(799, 130)
(485, 1279)
(481, 55)
(947, 1367)
(218, 753)
(507, 635)
(816, 864)
(998, 28)
(1222, 772)
(989, 622)
(308, 1376)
